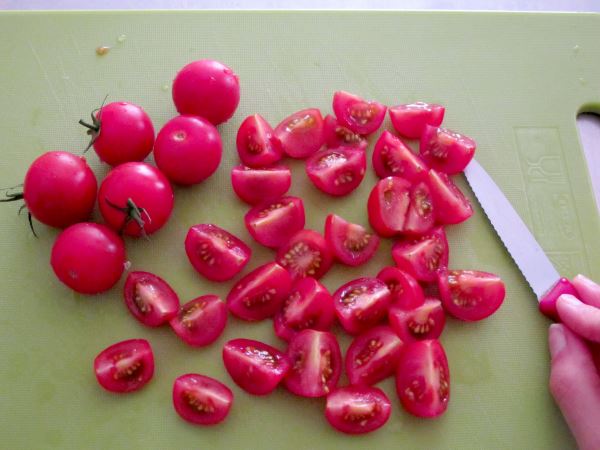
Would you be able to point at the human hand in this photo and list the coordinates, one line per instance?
(574, 379)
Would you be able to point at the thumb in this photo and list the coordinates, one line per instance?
(575, 385)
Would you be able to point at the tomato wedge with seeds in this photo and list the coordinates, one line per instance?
(125, 366)
(150, 298)
(423, 257)
(215, 253)
(416, 324)
(470, 295)
(423, 379)
(256, 143)
(420, 215)
(350, 243)
(391, 157)
(201, 400)
(200, 321)
(257, 185)
(302, 133)
(273, 222)
(254, 366)
(411, 119)
(337, 171)
(261, 293)
(359, 115)
(450, 205)
(316, 362)
(306, 254)
(388, 204)
(406, 291)
(361, 304)
(373, 356)
(446, 150)
(337, 135)
(357, 409)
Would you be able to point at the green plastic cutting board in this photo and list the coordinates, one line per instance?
(514, 82)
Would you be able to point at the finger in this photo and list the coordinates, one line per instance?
(581, 318)
(589, 292)
(575, 385)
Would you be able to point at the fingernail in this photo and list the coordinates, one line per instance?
(585, 281)
(571, 302)
(557, 340)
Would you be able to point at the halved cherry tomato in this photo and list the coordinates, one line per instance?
(309, 305)
(316, 362)
(449, 203)
(301, 134)
(388, 204)
(416, 324)
(125, 366)
(469, 294)
(406, 291)
(411, 119)
(337, 171)
(357, 114)
(357, 409)
(373, 355)
(306, 254)
(261, 293)
(257, 185)
(423, 257)
(351, 243)
(216, 253)
(361, 304)
(391, 157)
(201, 400)
(256, 143)
(420, 215)
(445, 150)
(423, 379)
(200, 321)
(273, 222)
(337, 135)
(150, 298)
(254, 366)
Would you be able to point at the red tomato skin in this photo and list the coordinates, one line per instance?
(357, 114)
(350, 243)
(201, 400)
(416, 324)
(164, 301)
(391, 157)
(406, 291)
(272, 223)
(411, 119)
(118, 379)
(446, 150)
(342, 402)
(254, 186)
(337, 172)
(302, 133)
(422, 257)
(200, 321)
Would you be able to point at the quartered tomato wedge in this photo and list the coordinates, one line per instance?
(416, 324)
(469, 294)
(256, 143)
(273, 222)
(201, 400)
(125, 366)
(302, 133)
(406, 291)
(316, 362)
(357, 409)
(373, 356)
(150, 298)
(411, 119)
(445, 150)
(420, 216)
(337, 171)
(391, 157)
(257, 185)
(449, 203)
(337, 135)
(306, 254)
(423, 257)
(200, 321)
(423, 379)
(359, 115)
(351, 243)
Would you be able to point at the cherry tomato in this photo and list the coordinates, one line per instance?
(188, 150)
(445, 150)
(215, 253)
(150, 298)
(135, 198)
(306, 254)
(391, 157)
(411, 119)
(406, 291)
(337, 135)
(256, 143)
(416, 324)
(422, 257)
(258, 185)
(208, 89)
(469, 294)
(254, 366)
(200, 321)
(373, 356)
(308, 305)
(350, 243)
(388, 205)
(273, 222)
(261, 293)
(359, 115)
(449, 203)
(337, 171)
(125, 366)
(301, 134)
(201, 400)
(357, 409)
(420, 216)
(121, 132)
(361, 304)
(316, 363)
(89, 258)
(423, 379)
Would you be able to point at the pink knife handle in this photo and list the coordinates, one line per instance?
(548, 302)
